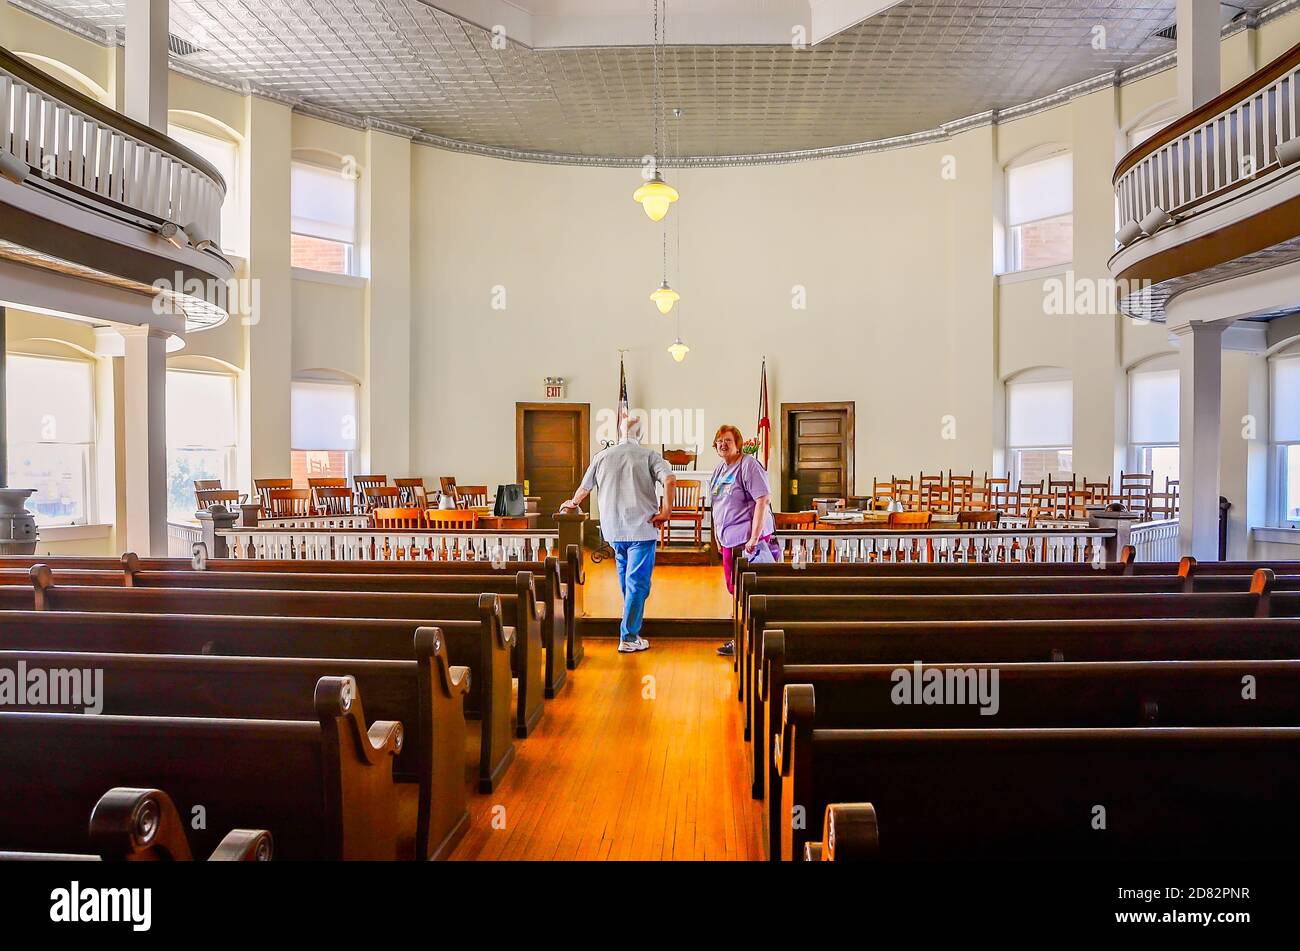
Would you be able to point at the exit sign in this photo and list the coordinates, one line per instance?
(555, 387)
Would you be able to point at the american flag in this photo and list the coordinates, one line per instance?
(622, 398)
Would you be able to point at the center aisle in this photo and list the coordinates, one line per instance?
(640, 757)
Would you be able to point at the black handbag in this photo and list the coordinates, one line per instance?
(510, 501)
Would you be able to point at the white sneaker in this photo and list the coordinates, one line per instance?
(642, 644)
(631, 647)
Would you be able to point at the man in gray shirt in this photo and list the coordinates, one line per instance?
(626, 476)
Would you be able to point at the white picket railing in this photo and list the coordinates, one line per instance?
(329, 523)
(389, 545)
(1155, 541)
(1235, 146)
(181, 539)
(63, 142)
(1006, 544)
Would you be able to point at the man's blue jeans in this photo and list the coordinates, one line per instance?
(635, 562)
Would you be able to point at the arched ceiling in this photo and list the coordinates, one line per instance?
(912, 67)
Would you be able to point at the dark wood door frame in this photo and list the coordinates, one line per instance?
(584, 430)
(787, 412)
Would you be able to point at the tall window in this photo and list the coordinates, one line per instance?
(1286, 437)
(324, 433)
(202, 434)
(1040, 428)
(223, 155)
(1040, 213)
(324, 219)
(1153, 423)
(51, 417)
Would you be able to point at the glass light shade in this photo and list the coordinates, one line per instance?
(655, 196)
(665, 297)
(679, 350)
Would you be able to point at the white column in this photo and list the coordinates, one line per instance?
(1198, 52)
(146, 62)
(145, 418)
(1199, 395)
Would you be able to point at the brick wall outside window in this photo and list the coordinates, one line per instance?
(317, 254)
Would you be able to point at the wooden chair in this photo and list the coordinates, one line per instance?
(472, 496)
(381, 496)
(447, 485)
(1098, 492)
(288, 503)
(687, 506)
(412, 493)
(909, 520)
(1076, 504)
(881, 492)
(264, 488)
(332, 500)
(203, 484)
(451, 519)
(909, 498)
(977, 520)
(1025, 495)
(795, 521)
(230, 498)
(1135, 490)
(361, 483)
(957, 479)
(907, 483)
(398, 518)
(324, 482)
(929, 485)
(681, 460)
(1165, 504)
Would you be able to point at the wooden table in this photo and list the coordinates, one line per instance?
(501, 523)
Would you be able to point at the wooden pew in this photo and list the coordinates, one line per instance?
(425, 695)
(324, 788)
(772, 611)
(482, 645)
(849, 834)
(572, 575)
(548, 592)
(142, 825)
(1032, 794)
(1187, 578)
(519, 609)
(1071, 694)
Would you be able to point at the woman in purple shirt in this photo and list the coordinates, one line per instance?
(742, 518)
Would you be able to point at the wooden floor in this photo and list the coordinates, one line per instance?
(676, 591)
(640, 757)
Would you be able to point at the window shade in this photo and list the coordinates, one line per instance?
(324, 203)
(1153, 406)
(200, 410)
(1286, 399)
(50, 400)
(324, 416)
(1040, 189)
(1040, 414)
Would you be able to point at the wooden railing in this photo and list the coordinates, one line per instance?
(101, 155)
(371, 544)
(1227, 143)
(1007, 543)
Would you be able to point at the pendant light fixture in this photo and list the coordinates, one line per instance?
(679, 350)
(664, 297)
(656, 195)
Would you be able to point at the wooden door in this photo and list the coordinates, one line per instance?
(551, 453)
(817, 451)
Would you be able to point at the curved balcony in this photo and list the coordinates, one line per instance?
(92, 196)
(1213, 195)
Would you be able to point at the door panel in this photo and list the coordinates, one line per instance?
(818, 455)
(552, 453)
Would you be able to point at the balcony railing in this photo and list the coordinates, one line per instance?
(74, 142)
(1225, 145)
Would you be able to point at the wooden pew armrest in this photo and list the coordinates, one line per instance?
(850, 833)
(244, 845)
(337, 699)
